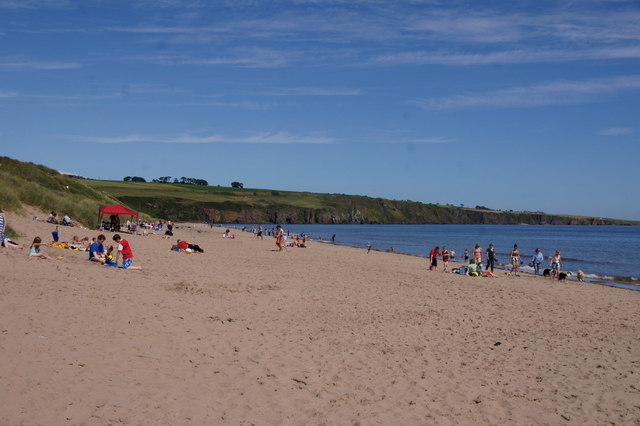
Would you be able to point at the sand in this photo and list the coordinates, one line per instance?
(324, 335)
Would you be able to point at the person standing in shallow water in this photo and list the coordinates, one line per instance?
(333, 238)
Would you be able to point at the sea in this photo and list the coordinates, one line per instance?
(608, 255)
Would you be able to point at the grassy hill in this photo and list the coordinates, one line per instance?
(39, 186)
(31, 184)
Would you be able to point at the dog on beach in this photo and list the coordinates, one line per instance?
(562, 276)
(580, 276)
(546, 273)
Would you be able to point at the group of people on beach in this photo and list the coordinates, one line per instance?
(96, 249)
(475, 265)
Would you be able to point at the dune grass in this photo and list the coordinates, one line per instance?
(35, 185)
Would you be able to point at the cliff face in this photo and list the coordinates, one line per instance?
(343, 209)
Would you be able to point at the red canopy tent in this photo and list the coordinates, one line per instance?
(116, 209)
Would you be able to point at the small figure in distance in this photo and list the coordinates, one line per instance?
(515, 260)
(369, 247)
(491, 257)
(53, 218)
(466, 255)
(445, 258)
(556, 265)
(66, 220)
(477, 253)
(433, 258)
(279, 238)
(536, 260)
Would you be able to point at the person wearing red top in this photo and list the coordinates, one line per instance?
(127, 255)
(445, 258)
(183, 245)
(433, 257)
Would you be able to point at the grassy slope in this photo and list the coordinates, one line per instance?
(36, 185)
(188, 202)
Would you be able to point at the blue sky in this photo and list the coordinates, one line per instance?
(511, 105)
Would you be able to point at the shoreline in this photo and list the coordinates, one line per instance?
(321, 335)
(622, 282)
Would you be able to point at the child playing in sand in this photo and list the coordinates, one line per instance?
(96, 251)
(108, 258)
(34, 250)
(127, 255)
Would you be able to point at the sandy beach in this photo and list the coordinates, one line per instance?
(242, 334)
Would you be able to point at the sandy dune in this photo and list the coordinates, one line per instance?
(324, 335)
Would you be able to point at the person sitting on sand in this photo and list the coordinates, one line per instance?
(108, 258)
(472, 268)
(34, 250)
(96, 250)
(5, 241)
(66, 220)
(53, 218)
(127, 255)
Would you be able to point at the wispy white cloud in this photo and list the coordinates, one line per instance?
(259, 138)
(506, 56)
(33, 4)
(39, 65)
(554, 93)
(8, 94)
(313, 91)
(616, 131)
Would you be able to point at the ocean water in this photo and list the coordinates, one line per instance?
(606, 254)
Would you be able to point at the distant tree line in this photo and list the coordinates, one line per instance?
(182, 180)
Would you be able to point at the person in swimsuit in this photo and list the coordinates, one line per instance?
(556, 264)
(515, 260)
